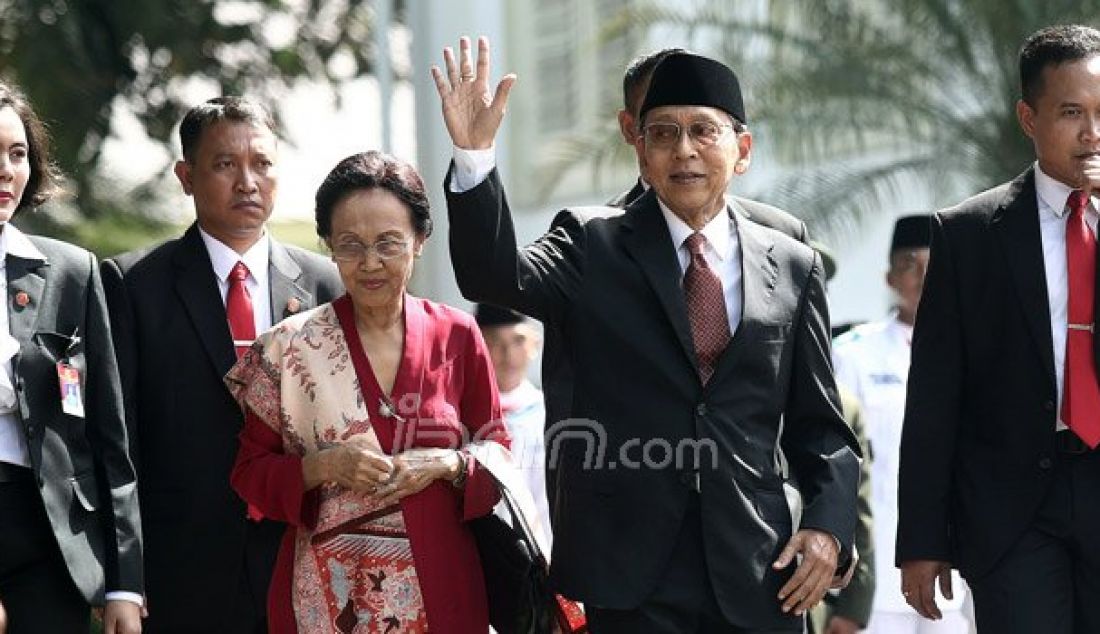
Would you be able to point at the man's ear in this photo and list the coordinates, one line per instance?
(1026, 116)
(628, 126)
(183, 173)
(744, 150)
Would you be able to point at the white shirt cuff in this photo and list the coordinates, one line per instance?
(471, 167)
(120, 595)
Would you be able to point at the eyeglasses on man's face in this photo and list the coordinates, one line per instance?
(664, 134)
(357, 251)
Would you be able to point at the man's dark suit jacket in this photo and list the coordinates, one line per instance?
(83, 468)
(623, 390)
(977, 446)
(174, 347)
(758, 212)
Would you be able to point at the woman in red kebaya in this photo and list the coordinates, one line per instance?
(360, 415)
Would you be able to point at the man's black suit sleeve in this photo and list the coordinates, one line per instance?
(931, 412)
(123, 337)
(123, 567)
(539, 280)
(821, 449)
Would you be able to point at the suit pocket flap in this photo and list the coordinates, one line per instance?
(85, 490)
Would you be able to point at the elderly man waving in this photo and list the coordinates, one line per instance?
(685, 343)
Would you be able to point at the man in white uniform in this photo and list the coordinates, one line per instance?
(514, 342)
(872, 361)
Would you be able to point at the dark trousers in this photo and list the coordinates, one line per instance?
(36, 589)
(245, 612)
(1049, 581)
(683, 602)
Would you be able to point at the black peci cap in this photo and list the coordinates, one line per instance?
(488, 315)
(686, 79)
(912, 232)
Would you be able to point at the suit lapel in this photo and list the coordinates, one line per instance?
(648, 242)
(759, 274)
(1016, 223)
(198, 292)
(287, 296)
(26, 287)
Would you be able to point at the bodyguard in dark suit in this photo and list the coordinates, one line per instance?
(207, 566)
(635, 84)
(999, 472)
(70, 534)
(686, 350)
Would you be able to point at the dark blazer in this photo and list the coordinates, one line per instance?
(621, 382)
(758, 212)
(84, 472)
(174, 347)
(977, 445)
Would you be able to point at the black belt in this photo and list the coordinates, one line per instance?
(14, 473)
(1069, 443)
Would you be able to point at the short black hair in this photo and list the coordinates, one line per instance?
(1052, 46)
(206, 114)
(637, 76)
(373, 170)
(43, 181)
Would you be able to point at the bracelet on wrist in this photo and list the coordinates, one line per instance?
(463, 470)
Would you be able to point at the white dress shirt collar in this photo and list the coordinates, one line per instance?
(717, 231)
(902, 331)
(1053, 194)
(15, 242)
(224, 258)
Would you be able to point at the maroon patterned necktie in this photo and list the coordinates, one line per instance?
(1080, 394)
(706, 304)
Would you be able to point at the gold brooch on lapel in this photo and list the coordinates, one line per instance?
(293, 305)
(22, 299)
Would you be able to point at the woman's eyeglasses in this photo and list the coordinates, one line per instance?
(357, 251)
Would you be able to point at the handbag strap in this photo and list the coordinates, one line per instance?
(520, 523)
(497, 462)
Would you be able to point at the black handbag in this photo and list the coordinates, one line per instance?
(516, 573)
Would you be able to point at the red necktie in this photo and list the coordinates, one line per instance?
(242, 325)
(1081, 394)
(706, 304)
(238, 309)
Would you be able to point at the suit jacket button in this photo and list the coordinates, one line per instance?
(1045, 463)
(1049, 406)
(701, 409)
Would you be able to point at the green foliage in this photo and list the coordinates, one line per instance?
(110, 232)
(302, 233)
(77, 59)
(862, 99)
(117, 230)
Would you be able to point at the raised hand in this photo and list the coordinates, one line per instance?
(471, 113)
